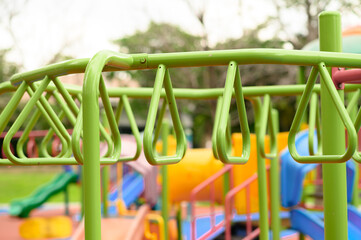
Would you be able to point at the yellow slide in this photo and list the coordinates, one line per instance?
(199, 164)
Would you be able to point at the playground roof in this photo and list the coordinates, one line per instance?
(350, 41)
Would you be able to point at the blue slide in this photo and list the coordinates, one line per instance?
(23, 207)
(133, 186)
(292, 176)
(203, 225)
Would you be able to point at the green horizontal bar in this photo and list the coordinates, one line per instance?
(214, 93)
(183, 93)
(118, 61)
(53, 70)
(254, 56)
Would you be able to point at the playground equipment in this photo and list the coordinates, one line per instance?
(80, 106)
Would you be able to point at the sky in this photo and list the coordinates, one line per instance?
(81, 28)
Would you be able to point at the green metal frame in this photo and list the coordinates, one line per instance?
(87, 125)
(233, 80)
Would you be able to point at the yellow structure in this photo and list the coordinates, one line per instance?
(46, 227)
(199, 164)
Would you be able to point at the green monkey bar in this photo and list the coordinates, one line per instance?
(89, 129)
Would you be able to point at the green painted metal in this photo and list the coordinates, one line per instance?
(352, 111)
(124, 103)
(333, 135)
(357, 155)
(275, 183)
(214, 93)
(165, 181)
(314, 123)
(340, 109)
(215, 127)
(105, 175)
(179, 222)
(88, 127)
(91, 141)
(163, 74)
(113, 61)
(22, 118)
(25, 136)
(266, 118)
(262, 177)
(233, 80)
(301, 79)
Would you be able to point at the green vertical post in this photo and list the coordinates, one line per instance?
(355, 190)
(105, 173)
(226, 180)
(333, 138)
(179, 222)
(91, 177)
(66, 201)
(275, 186)
(164, 173)
(105, 188)
(262, 178)
(82, 190)
(301, 79)
(226, 184)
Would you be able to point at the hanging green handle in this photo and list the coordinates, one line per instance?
(159, 123)
(21, 119)
(124, 102)
(76, 136)
(215, 127)
(116, 149)
(354, 101)
(233, 81)
(266, 119)
(352, 136)
(66, 111)
(356, 156)
(53, 120)
(314, 122)
(29, 127)
(149, 151)
(71, 107)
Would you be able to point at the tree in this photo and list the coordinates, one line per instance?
(310, 11)
(7, 69)
(167, 38)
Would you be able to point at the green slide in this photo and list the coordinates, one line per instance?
(22, 207)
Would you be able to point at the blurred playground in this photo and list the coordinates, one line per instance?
(80, 161)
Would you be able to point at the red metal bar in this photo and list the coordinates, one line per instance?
(228, 208)
(341, 76)
(211, 231)
(213, 215)
(208, 182)
(252, 235)
(228, 205)
(31, 147)
(248, 211)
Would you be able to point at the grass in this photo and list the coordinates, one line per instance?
(20, 182)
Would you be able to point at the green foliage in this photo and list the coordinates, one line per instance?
(162, 37)
(7, 69)
(20, 182)
(159, 38)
